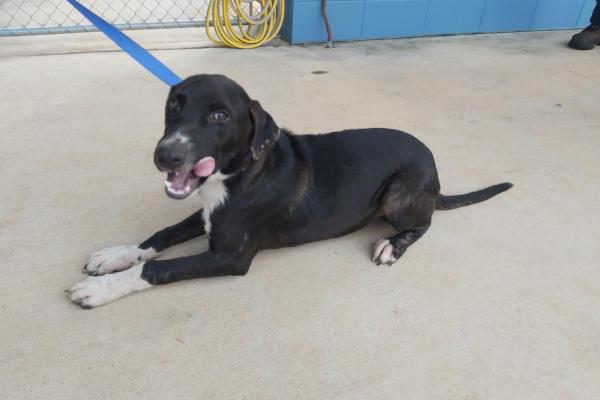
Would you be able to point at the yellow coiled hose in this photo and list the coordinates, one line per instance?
(250, 31)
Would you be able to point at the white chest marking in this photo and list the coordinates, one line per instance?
(213, 193)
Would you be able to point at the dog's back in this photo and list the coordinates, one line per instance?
(348, 174)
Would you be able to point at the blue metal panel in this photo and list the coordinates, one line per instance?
(286, 28)
(454, 16)
(586, 13)
(308, 23)
(369, 19)
(507, 15)
(345, 18)
(394, 18)
(556, 14)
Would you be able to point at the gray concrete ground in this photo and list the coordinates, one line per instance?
(498, 301)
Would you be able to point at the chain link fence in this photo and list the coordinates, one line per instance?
(31, 17)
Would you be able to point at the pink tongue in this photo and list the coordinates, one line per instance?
(204, 167)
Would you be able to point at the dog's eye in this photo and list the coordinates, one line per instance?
(175, 104)
(219, 116)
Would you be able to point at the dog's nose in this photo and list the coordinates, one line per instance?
(168, 158)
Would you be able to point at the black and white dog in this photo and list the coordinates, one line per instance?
(263, 187)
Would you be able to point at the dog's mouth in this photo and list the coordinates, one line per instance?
(182, 182)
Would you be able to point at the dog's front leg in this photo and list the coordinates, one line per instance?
(205, 265)
(118, 258)
(98, 290)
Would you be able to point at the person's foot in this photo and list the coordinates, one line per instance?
(587, 39)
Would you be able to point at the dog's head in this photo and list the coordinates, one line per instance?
(211, 125)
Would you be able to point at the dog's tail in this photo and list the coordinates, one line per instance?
(451, 202)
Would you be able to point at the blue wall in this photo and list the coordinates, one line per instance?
(371, 19)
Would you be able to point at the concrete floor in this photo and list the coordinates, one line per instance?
(498, 301)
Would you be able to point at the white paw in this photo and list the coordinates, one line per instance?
(95, 291)
(117, 258)
(383, 253)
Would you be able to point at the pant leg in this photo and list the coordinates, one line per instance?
(596, 15)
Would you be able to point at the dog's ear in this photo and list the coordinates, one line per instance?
(265, 130)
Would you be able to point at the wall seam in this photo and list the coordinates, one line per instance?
(581, 11)
(535, 10)
(424, 27)
(362, 22)
(485, 6)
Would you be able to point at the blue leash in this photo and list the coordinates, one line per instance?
(146, 60)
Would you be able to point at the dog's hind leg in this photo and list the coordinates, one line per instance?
(389, 250)
(118, 258)
(410, 215)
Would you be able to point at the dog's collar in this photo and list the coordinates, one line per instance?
(251, 159)
(267, 143)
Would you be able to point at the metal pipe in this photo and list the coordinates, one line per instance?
(327, 25)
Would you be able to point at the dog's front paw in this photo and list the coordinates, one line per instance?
(95, 291)
(116, 258)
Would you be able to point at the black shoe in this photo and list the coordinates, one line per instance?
(587, 39)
